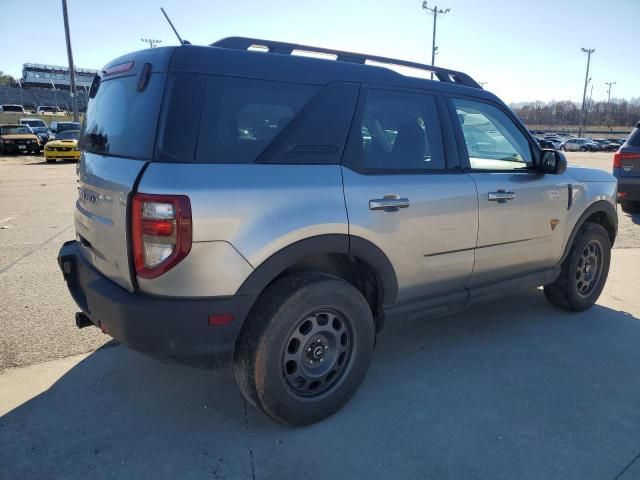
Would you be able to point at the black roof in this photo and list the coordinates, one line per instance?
(232, 57)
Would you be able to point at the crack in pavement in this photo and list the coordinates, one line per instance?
(627, 467)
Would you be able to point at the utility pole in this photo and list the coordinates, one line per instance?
(72, 70)
(435, 12)
(151, 41)
(610, 84)
(482, 84)
(588, 51)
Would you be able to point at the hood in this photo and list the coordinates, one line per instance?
(62, 143)
(583, 174)
(19, 136)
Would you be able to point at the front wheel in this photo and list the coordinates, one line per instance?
(305, 348)
(583, 149)
(584, 271)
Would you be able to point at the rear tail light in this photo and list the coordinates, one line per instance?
(161, 230)
(619, 156)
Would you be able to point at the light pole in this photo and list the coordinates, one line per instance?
(55, 95)
(435, 11)
(72, 70)
(588, 51)
(482, 84)
(610, 84)
(151, 41)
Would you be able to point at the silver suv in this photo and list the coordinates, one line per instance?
(278, 209)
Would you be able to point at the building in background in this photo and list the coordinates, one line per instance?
(36, 75)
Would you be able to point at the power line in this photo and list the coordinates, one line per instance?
(151, 41)
(435, 11)
(588, 51)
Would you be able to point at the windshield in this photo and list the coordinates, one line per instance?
(121, 120)
(67, 126)
(34, 123)
(69, 135)
(14, 130)
(40, 129)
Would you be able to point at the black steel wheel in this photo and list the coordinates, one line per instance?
(588, 269)
(584, 271)
(305, 347)
(317, 353)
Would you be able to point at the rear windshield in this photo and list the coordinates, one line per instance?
(34, 123)
(68, 135)
(634, 138)
(121, 120)
(61, 127)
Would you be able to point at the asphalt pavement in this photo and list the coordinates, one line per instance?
(515, 389)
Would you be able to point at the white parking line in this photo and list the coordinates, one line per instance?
(5, 220)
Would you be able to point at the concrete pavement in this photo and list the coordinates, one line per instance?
(513, 390)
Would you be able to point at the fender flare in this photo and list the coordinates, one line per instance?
(358, 247)
(596, 207)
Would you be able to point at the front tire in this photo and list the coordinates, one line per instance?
(583, 149)
(305, 348)
(584, 271)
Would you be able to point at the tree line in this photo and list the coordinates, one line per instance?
(621, 113)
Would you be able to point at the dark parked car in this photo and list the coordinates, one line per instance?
(626, 168)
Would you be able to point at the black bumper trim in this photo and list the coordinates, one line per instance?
(160, 326)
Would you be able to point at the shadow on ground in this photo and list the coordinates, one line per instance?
(516, 390)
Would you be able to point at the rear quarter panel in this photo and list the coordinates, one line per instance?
(255, 209)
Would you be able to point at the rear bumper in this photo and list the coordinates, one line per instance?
(68, 155)
(628, 189)
(175, 328)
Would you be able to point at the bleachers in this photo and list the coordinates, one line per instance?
(31, 98)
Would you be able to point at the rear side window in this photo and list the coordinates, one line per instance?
(121, 120)
(634, 138)
(399, 131)
(241, 117)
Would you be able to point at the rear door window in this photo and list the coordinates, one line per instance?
(241, 117)
(121, 120)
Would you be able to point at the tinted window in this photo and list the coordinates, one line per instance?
(68, 135)
(493, 140)
(12, 108)
(61, 127)
(634, 138)
(399, 131)
(241, 117)
(122, 121)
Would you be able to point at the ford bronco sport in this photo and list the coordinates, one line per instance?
(279, 209)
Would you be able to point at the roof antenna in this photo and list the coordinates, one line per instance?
(182, 42)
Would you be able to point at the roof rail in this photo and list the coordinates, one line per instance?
(244, 43)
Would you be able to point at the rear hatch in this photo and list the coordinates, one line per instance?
(627, 158)
(117, 139)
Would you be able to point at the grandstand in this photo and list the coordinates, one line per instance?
(48, 85)
(32, 98)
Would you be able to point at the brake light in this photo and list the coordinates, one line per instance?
(162, 232)
(619, 156)
(120, 68)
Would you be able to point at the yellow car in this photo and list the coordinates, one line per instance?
(64, 147)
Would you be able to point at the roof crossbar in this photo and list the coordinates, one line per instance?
(245, 43)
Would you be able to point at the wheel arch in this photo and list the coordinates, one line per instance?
(349, 257)
(600, 212)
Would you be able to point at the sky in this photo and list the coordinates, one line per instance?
(524, 50)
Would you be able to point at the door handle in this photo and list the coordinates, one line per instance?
(389, 203)
(501, 196)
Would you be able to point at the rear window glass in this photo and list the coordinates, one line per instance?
(634, 138)
(12, 108)
(122, 121)
(241, 117)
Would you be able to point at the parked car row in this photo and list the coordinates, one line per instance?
(41, 110)
(574, 144)
(33, 136)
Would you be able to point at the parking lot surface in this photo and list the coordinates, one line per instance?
(516, 389)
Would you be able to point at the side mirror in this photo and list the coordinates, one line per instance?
(553, 161)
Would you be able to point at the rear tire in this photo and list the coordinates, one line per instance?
(305, 348)
(584, 271)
